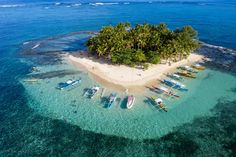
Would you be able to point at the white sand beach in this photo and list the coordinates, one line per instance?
(123, 77)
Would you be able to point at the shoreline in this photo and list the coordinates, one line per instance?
(114, 76)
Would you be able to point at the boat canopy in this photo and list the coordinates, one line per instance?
(95, 88)
(175, 75)
(69, 81)
(163, 88)
(158, 100)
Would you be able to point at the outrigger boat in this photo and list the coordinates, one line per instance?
(188, 68)
(35, 69)
(175, 84)
(166, 91)
(198, 67)
(130, 101)
(186, 74)
(175, 76)
(68, 83)
(158, 102)
(111, 99)
(32, 80)
(92, 91)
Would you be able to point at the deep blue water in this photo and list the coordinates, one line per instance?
(24, 133)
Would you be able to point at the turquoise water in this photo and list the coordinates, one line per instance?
(36, 119)
(143, 120)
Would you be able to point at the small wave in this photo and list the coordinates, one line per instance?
(126, 3)
(99, 4)
(57, 3)
(68, 6)
(35, 46)
(76, 4)
(218, 47)
(11, 5)
(27, 42)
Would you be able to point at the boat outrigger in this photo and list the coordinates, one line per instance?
(92, 91)
(159, 103)
(188, 68)
(166, 91)
(175, 84)
(175, 76)
(186, 74)
(198, 67)
(130, 101)
(68, 83)
(111, 99)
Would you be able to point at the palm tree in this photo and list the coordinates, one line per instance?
(143, 43)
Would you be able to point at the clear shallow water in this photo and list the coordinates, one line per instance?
(143, 120)
(36, 132)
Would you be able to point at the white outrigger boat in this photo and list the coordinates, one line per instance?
(68, 83)
(175, 84)
(130, 101)
(92, 91)
(175, 76)
(166, 91)
(188, 68)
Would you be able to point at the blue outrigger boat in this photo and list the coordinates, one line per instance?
(68, 83)
(111, 99)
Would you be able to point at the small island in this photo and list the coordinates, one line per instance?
(122, 57)
(143, 44)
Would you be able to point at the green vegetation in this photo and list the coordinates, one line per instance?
(143, 44)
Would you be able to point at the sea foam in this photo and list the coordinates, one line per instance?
(99, 4)
(76, 4)
(57, 3)
(37, 45)
(11, 5)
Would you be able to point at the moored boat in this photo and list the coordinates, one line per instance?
(130, 101)
(175, 76)
(32, 80)
(159, 103)
(188, 68)
(68, 83)
(162, 89)
(198, 67)
(166, 91)
(175, 84)
(35, 69)
(111, 99)
(92, 91)
(186, 74)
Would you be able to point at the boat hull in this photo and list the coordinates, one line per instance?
(111, 100)
(130, 102)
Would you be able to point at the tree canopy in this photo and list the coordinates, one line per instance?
(145, 43)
